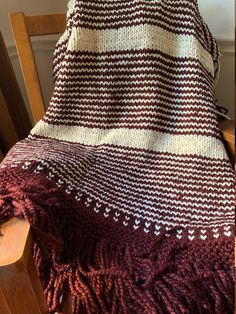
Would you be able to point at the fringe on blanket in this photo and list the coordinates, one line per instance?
(101, 276)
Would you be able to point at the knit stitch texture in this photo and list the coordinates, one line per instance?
(125, 181)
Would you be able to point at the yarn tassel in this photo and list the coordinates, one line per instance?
(119, 280)
(104, 277)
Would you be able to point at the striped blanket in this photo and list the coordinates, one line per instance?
(125, 181)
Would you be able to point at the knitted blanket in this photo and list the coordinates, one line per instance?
(125, 181)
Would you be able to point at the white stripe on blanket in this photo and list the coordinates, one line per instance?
(137, 38)
(145, 139)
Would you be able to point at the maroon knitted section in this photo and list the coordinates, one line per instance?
(106, 270)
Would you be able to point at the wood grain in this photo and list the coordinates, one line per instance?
(23, 28)
(228, 129)
(39, 25)
(21, 290)
(28, 65)
(4, 308)
(13, 241)
(228, 133)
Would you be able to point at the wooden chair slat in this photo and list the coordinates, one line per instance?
(20, 287)
(45, 24)
(228, 129)
(28, 65)
(228, 133)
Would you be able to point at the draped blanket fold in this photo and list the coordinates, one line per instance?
(125, 181)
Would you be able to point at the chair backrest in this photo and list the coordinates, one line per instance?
(24, 27)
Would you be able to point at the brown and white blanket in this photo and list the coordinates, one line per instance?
(125, 181)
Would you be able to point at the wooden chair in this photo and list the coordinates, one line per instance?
(16, 243)
(20, 288)
(228, 133)
(25, 27)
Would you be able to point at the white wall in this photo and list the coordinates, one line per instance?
(219, 14)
